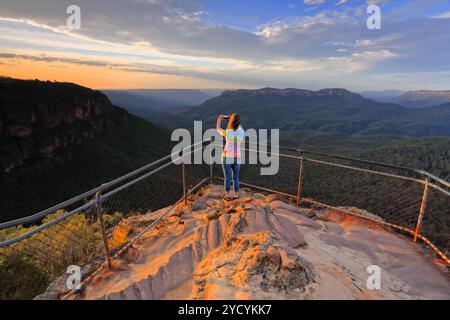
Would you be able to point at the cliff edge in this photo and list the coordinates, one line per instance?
(264, 247)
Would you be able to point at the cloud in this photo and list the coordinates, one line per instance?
(129, 67)
(97, 63)
(176, 27)
(314, 2)
(178, 30)
(443, 15)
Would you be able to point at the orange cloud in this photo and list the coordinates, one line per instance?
(99, 77)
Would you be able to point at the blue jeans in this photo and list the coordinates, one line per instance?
(228, 167)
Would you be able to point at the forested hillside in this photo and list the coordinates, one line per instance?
(326, 110)
(58, 140)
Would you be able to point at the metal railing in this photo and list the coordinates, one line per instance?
(96, 227)
(91, 229)
(413, 201)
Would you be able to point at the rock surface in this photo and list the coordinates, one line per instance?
(264, 247)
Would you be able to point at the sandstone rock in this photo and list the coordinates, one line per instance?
(274, 197)
(198, 205)
(254, 253)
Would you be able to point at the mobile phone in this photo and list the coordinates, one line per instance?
(226, 117)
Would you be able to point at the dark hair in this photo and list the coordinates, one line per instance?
(236, 121)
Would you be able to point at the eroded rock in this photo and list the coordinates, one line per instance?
(263, 248)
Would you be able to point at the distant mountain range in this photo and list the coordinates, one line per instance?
(60, 139)
(410, 99)
(326, 110)
(422, 98)
(155, 104)
(382, 96)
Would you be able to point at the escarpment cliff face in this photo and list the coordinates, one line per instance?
(58, 140)
(38, 118)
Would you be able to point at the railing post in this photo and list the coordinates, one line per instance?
(300, 178)
(103, 229)
(422, 208)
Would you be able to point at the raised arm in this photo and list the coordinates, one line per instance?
(219, 129)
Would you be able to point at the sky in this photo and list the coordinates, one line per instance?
(308, 44)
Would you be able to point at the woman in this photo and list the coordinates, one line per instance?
(231, 155)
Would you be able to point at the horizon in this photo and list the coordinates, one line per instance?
(234, 89)
(312, 44)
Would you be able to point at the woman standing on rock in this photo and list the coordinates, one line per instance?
(231, 155)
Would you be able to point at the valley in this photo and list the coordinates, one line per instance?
(326, 110)
(78, 154)
(49, 154)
